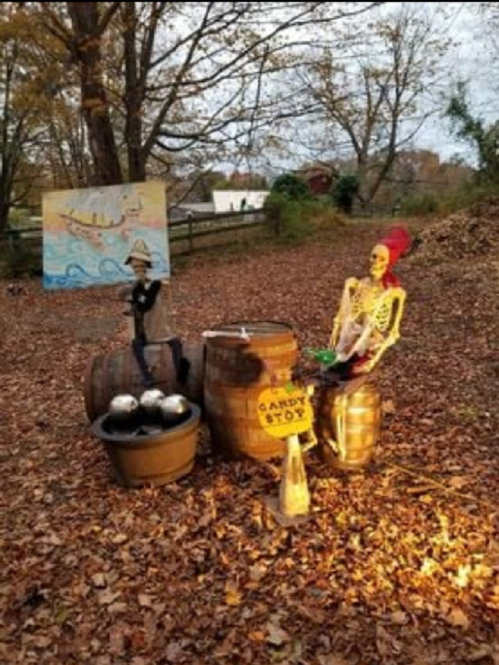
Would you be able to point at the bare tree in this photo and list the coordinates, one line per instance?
(372, 97)
(65, 150)
(82, 37)
(161, 78)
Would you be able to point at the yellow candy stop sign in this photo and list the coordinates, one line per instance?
(284, 412)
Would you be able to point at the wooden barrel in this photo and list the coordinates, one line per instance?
(152, 459)
(117, 372)
(353, 421)
(236, 372)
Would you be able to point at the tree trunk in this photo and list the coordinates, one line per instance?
(7, 169)
(4, 213)
(134, 97)
(95, 107)
(362, 176)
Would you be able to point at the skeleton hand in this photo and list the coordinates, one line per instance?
(312, 441)
(333, 340)
(365, 367)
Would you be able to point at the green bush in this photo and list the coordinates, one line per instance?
(344, 191)
(293, 187)
(326, 219)
(286, 217)
(19, 218)
(447, 202)
(23, 261)
(467, 195)
(419, 204)
(315, 205)
(293, 220)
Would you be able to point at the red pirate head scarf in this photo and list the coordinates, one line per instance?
(397, 242)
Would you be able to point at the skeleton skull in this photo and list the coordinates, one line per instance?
(139, 268)
(380, 257)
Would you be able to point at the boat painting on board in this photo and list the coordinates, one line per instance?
(90, 226)
(88, 233)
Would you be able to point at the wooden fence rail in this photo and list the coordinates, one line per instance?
(187, 229)
(197, 227)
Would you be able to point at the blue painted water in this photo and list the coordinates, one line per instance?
(70, 263)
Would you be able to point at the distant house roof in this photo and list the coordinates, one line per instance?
(310, 170)
(227, 200)
(319, 177)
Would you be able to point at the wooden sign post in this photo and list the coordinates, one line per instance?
(285, 413)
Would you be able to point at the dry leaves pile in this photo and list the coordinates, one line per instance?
(471, 232)
(398, 564)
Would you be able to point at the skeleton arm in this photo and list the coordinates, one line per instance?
(363, 342)
(385, 318)
(351, 285)
(310, 434)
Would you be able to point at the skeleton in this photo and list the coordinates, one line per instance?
(366, 325)
(368, 319)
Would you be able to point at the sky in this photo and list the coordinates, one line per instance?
(471, 60)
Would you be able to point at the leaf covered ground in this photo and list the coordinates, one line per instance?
(397, 564)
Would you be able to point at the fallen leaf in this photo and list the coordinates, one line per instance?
(137, 640)
(276, 635)
(107, 597)
(117, 639)
(117, 608)
(119, 538)
(256, 572)
(99, 580)
(52, 539)
(232, 594)
(479, 652)
(174, 652)
(145, 600)
(458, 618)
(399, 618)
(333, 659)
(388, 406)
(458, 481)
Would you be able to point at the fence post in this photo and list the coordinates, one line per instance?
(14, 241)
(191, 234)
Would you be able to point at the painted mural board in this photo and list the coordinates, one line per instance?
(88, 233)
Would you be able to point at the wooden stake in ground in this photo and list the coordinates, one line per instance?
(294, 496)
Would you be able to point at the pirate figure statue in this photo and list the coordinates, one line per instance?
(149, 316)
(370, 311)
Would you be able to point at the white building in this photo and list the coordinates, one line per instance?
(226, 200)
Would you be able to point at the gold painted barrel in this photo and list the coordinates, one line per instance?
(236, 372)
(351, 422)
